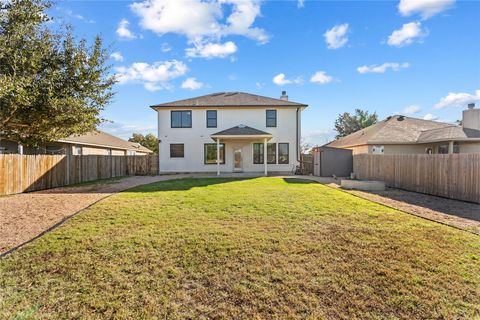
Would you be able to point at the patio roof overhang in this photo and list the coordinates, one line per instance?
(241, 132)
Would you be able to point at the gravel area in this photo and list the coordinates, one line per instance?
(459, 214)
(26, 216)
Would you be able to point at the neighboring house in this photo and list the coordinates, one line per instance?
(93, 143)
(229, 132)
(405, 135)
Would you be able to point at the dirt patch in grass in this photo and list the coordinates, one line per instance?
(257, 248)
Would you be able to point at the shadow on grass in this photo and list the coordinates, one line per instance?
(299, 181)
(181, 184)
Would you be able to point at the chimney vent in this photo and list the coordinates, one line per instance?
(471, 106)
(284, 96)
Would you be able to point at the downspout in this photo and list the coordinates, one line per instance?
(298, 144)
(158, 156)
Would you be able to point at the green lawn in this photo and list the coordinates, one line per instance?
(258, 248)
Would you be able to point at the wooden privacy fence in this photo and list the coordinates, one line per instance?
(455, 176)
(21, 173)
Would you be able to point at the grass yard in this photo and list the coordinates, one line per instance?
(257, 248)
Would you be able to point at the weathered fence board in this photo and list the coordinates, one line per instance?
(20, 173)
(455, 176)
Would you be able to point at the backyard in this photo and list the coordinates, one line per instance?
(251, 248)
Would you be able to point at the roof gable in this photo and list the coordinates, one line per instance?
(241, 130)
(230, 99)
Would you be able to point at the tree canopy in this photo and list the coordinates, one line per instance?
(51, 85)
(148, 141)
(347, 123)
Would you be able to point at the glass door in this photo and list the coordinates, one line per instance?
(237, 160)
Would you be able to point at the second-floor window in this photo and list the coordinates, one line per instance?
(181, 119)
(211, 118)
(271, 118)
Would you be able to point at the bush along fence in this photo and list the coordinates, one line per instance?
(23, 173)
(455, 176)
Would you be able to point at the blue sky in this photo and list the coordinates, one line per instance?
(418, 58)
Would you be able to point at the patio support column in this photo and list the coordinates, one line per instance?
(265, 155)
(218, 157)
(450, 147)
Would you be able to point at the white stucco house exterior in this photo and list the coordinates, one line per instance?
(229, 132)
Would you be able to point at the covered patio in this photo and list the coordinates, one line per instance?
(241, 132)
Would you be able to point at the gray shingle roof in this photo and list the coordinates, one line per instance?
(448, 134)
(100, 138)
(230, 99)
(393, 130)
(242, 130)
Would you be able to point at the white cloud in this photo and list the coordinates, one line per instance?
(409, 33)
(300, 3)
(337, 36)
(166, 47)
(281, 80)
(74, 15)
(123, 31)
(426, 8)
(125, 131)
(430, 117)
(321, 77)
(117, 56)
(460, 99)
(192, 84)
(381, 68)
(153, 87)
(154, 76)
(318, 137)
(212, 50)
(414, 108)
(197, 19)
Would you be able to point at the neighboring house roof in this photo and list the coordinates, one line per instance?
(456, 133)
(394, 130)
(242, 130)
(230, 99)
(102, 139)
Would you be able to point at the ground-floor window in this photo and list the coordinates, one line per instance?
(210, 155)
(258, 153)
(283, 154)
(177, 150)
(271, 153)
(443, 149)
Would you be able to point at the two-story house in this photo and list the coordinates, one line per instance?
(229, 132)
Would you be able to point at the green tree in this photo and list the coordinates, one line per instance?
(347, 123)
(148, 141)
(51, 85)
